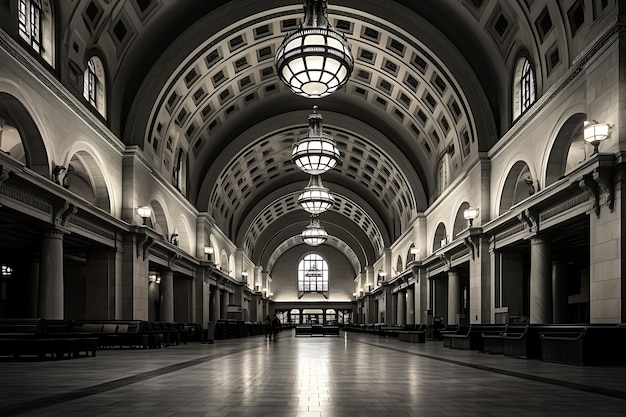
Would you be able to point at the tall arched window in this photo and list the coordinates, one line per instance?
(35, 27)
(313, 275)
(442, 174)
(179, 174)
(93, 85)
(523, 87)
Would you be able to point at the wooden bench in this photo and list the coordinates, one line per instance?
(413, 336)
(390, 331)
(29, 337)
(447, 333)
(587, 345)
(63, 329)
(524, 340)
(118, 333)
(316, 330)
(473, 338)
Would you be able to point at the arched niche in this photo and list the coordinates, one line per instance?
(159, 219)
(182, 235)
(519, 185)
(34, 152)
(568, 150)
(460, 223)
(399, 264)
(85, 178)
(441, 237)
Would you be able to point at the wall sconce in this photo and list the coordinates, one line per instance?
(470, 214)
(354, 294)
(244, 276)
(415, 251)
(144, 212)
(381, 275)
(154, 276)
(595, 133)
(7, 271)
(208, 251)
(257, 286)
(174, 239)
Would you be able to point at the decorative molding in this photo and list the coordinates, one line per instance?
(144, 243)
(603, 178)
(64, 214)
(4, 174)
(588, 185)
(564, 206)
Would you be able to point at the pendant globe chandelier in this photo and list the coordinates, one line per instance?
(314, 60)
(316, 198)
(316, 152)
(314, 234)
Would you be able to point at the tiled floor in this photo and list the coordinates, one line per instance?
(353, 375)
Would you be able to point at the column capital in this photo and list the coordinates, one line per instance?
(53, 234)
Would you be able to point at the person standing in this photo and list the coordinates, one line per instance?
(275, 326)
(268, 327)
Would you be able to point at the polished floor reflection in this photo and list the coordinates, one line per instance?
(353, 375)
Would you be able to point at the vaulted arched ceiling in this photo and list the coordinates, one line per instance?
(199, 76)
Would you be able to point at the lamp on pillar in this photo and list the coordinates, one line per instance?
(144, 212)
(208, 251)
(381, 275)
(596, 133)
(470, 214)
(244, 276)
(415, 251)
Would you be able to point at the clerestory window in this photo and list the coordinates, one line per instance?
(35, 27)
(524, 87)
(93, 85)
(313, 275)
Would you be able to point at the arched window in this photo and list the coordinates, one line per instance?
(179, 174)
(523, 87)
(35, 27)
(442, 174)
(313, 275)
(93, 85)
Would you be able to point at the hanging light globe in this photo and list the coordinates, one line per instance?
(316, 198)
(316, 152)
(315, 60)
(314, 234)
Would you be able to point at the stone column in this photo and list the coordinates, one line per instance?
(540, 281)
(167, 297)
(215, 312)
(393, 318)
(560, 307)
(50, 298)
(454, 296)
(401, 316)
(323, 316)
(224, 304)
(410, 306)
(301, 316)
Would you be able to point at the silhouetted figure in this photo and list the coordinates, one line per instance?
(268, 327)
(275, 326)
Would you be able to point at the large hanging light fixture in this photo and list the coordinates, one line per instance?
(314, 60)
(316, 198)
(316, 152)
(314, 234)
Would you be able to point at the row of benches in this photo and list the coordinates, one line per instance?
(58, 338)
(316, 330)
(585, 344)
